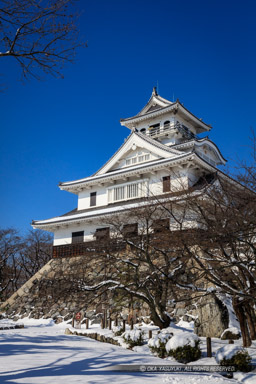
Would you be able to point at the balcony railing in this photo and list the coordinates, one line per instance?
(160, 131)
(170, 128)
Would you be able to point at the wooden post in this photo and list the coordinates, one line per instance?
(231, 341)
(116, 321)
(150, 334)
(87, 323)
(110, 324)
(131, 323)
(73, 321)
(123, 325)
(106, 319)
(102, 323)
(209, 346)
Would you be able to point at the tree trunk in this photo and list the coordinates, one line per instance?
(250, 317)
(241, 316)
(159, 318)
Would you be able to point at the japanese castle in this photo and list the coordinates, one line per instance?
(162, 144)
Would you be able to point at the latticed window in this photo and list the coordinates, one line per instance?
(128, 191)
(119, 193)
(138, 159)
(132, 191)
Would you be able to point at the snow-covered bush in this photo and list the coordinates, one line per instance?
(234, 355)
(118, 330)
(158, 342)
(184, 347)
(232, 333)
(133, 338)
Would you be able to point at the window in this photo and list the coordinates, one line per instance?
(138, 159)
(102, 233)
(143, 130)
(166, 124)
(161, 225)
(128, 191)
(119, 193)
(166, 184)
(132, 190)
(154, 129)
(130, 230)
(77, 237)
(93, 199)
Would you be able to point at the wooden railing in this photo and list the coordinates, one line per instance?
(87, 248)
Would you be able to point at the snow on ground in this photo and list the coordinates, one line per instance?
(41, 353)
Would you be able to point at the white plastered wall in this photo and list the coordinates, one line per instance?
(84, 197)
(64, 235)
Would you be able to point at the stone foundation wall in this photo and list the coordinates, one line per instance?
(56, 292)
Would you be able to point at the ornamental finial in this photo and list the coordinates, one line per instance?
(154, 93)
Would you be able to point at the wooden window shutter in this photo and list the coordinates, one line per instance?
(102, 233)
(77, 237)
(130, 230)
(93, 199)
(161, 225)
(166, 184)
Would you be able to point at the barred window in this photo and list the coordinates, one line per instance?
(77, 237)
(128, 191)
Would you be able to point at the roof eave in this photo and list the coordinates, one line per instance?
(201, 126)
(128, 172)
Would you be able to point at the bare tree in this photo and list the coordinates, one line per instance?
(147, 264)
(199, 238)
(35, 253)
(40, 35)
(21, 257)
(246, 169)
(10, 244)
(224, 247)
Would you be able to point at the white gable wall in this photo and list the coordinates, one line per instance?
(135, 154)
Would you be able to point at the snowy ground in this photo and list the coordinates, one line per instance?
(41, 353)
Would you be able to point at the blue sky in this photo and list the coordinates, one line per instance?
(202, 52)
